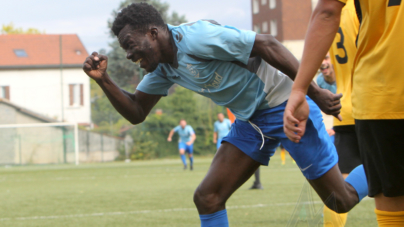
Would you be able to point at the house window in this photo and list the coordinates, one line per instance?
(257, 28)
(274, 28)
(76, 95)
(256, 7)
(20, 53)
(263, 2)
(5, 92)
(272, 4)
(264, 27)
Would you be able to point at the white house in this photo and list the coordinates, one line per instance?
(44, 73)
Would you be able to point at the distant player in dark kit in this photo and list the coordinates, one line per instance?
(185, 143)
(249, 73)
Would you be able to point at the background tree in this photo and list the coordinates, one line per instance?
(11, 29)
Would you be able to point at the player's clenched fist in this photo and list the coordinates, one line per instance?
(95, 65)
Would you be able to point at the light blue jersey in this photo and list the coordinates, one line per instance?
(214, 61)
(222, 128)
(184, 133)
(325, 85)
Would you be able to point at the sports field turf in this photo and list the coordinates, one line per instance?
(146, 193)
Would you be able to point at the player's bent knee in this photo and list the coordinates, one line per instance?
(207, 202)
(340, 204)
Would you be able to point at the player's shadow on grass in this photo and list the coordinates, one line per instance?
(309, 213)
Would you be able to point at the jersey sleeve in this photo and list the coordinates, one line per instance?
(191, 130)
(215, 127)
(216, 42)
(155, 83)
(177, 128)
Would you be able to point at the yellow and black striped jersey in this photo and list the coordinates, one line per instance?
(378, 78)
(342, 53)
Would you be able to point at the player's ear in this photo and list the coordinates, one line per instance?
(154, 32)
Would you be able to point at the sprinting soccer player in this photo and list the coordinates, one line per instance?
(346, 140)
(221, 128)
(234, 68)
(186, 142)
(377, 93)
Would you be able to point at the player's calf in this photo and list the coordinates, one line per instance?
(338, 194)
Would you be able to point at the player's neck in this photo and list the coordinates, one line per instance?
(166, 47)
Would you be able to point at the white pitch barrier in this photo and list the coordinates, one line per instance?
(76, 132)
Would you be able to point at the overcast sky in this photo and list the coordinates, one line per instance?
(88, 18)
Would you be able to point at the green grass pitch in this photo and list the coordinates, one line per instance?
(146, 193)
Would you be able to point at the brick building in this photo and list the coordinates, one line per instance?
(286, 20)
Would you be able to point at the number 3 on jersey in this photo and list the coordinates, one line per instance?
(394, 2)
(340, 45)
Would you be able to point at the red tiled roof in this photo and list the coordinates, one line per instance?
(42, 50)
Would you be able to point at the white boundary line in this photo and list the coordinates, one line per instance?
(144, 212)
(155, 211)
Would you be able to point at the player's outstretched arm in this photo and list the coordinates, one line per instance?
(170, 135)
(134, 107)
(320, 34)
(278, 56)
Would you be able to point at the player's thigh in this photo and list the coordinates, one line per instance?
(381, 144)
(346, 143)
(315, 154)
(229, 170)
(190, 150)
(181, 147)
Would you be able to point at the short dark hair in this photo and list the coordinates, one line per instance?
(139, 15)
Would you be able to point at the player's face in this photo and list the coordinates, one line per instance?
(140, 47)
(183, 124)
(220, 117)
(326, 66)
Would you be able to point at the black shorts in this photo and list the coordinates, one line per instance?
(381, 143)
(347, 146)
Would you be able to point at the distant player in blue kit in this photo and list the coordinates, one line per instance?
(249, 73)
(221, 129)
(185, 143)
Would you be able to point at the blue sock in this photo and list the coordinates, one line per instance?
(357, 178)
(218, 219)
(184, 160)
(191, 160)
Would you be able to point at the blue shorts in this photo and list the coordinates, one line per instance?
(188, 148)
(219, 142)
(315, 154)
